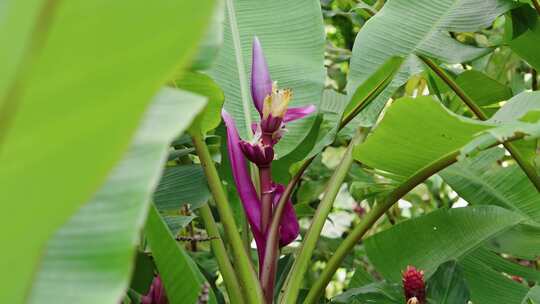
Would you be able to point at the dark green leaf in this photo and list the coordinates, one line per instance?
(447, 285)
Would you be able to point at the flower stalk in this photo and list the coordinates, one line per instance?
(272, 105)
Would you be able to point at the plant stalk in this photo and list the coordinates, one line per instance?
(218, 248)
(272, 241)
(293, 283)
(526, 166)
(246, 275)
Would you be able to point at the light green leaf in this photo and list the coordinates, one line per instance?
(447, 285)
(89, 260)
(404, 28)
(440, 236)
(76, 79)
(180, 185)
(415, 133)
(293, 42)
(182, 279)
(204, 85)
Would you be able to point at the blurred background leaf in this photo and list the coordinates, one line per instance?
(78, 78)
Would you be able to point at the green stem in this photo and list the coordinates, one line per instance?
(218, 248)
(526, 166)
(247, 276)
(294, 280)
(378, 210)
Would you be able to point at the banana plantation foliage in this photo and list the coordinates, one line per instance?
(261, 152)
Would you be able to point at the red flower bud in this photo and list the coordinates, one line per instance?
(414, 286)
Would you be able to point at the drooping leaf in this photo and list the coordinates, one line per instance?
(182, 279)
(405, 28)
(447, 285)
(89, 260)
(76, 79)
(430, 240)
(293, 41)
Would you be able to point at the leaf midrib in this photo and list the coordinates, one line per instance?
(244, 93)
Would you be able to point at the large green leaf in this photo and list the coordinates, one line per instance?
(430, 240)
(415, 133)
(292, 36)
(182, 279)
(423, 131)
(89, 260)
(405, 28)
(76, 79)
